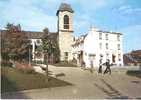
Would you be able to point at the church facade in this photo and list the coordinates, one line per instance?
(65, 31)
(63, 36)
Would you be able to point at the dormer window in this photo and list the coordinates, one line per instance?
(66, 22)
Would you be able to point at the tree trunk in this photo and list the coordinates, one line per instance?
(46, 63)
(47, 67)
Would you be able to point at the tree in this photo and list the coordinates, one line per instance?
(49, 47)
(46, 47)
(15, 43)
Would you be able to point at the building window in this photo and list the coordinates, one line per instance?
(66, 56)
(66, 22)
(118, 37)
(100, 45)
(100, 36)
(106, 35)
(119, 57)
(118, 46)
(38, 41)
(107, 46)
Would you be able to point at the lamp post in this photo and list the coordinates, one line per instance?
(29, 55)
(29, 50)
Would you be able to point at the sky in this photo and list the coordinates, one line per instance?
(110, 15)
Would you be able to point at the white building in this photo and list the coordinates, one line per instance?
(96, 45)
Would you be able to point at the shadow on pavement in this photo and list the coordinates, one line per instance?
(12, 95)
(12, 86)
(136, 82)
(60, 75)
(136, 73)
(111, 91)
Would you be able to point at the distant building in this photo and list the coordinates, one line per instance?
(132, 58)
(96, 45)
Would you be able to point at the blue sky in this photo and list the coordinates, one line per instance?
(110, 15)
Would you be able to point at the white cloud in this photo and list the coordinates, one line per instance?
(92, 5)
(28, 15)
(126, 9)
(81, 27)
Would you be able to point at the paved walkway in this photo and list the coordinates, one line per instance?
(86, 85)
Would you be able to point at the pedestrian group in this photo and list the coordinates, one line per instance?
(107, 64)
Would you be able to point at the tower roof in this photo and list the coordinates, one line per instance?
(64, 7)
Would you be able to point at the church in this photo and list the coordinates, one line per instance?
(63, 37)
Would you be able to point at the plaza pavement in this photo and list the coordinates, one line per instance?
(86, 85)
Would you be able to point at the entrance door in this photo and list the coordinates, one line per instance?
(92, 60)
(66, 56)
(81, 57)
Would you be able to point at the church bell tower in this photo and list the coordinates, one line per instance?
(65, 31)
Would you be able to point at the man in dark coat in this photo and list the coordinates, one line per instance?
(108, 69)
(100, 66)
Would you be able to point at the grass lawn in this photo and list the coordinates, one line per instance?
(64, 64)
(15, 80)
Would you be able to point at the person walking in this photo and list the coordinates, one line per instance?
(91, 64)
(100, 66)
(83, 64)
(108, 69)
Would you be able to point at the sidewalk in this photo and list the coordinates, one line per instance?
(86, 85)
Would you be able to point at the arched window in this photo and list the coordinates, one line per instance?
(66, 22)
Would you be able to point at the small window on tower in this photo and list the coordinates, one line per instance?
(66, 22)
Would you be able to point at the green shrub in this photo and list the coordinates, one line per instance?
(25, 68)
(27, 71)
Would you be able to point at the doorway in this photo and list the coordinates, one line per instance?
(80, 57)
(113, 58)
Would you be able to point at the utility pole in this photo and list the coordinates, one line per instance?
(29, 50)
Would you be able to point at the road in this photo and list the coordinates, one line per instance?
(86, 85)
